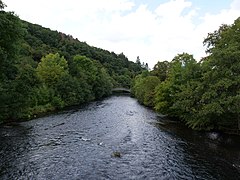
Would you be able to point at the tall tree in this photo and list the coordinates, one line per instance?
(161, 70)
(11, 33)
(144, 88)
(51, 71)
(182, 69)
(52, 68)
(222, 96)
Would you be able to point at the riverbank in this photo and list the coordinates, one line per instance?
(53, 111)
(48, 110)
(222, 129)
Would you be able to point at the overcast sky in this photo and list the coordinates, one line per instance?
(154, 30)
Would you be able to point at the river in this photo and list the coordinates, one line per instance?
(115, 138)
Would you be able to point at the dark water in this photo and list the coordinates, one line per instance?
(79, 144)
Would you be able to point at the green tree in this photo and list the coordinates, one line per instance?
(161, 70)
(11, 33)
(206, 95)
(44, 41)
(182, 70)
(73, 91)
(84, 67)
(163, 99)
(93, 73)
(144, 88)
(34, 78)
(51, 69)
(222, 96)
(103, 85)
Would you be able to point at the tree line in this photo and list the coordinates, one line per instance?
(205, 95)
(42, 70)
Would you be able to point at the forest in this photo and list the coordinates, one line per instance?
(43, 70)
(205, 95)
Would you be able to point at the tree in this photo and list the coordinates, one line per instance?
(11, 33)
(51, 69)
(161, 70)
(163, 99)
(73, 91)
(182, 70)
(93, 73)
(35, 77)
(138, 61)
(44, 41)
(144, 88)
(206, 95)
(150, 83)
(102, 85)
(222, 96)
(84, 67)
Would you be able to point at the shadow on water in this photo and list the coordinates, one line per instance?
(222, 150)
(14, 150)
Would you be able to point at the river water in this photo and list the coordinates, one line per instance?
(115, 138)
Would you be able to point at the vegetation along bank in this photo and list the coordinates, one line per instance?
(42, 70)
(205, 95)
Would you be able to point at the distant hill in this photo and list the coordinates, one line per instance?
(40, 41)
(43, 70)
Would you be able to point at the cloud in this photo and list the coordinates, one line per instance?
(235, 5)
(154, 34)
(173, 8)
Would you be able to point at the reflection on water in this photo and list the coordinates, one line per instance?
(80, 143)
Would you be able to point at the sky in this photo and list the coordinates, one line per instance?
(154, 30)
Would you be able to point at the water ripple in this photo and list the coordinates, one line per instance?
(114, 139)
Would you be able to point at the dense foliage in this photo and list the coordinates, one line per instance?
(42, 70)
(205, 94)
(40, 41)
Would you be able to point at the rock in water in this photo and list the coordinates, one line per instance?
(116, 154)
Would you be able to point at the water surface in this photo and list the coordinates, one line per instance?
(80, 144)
